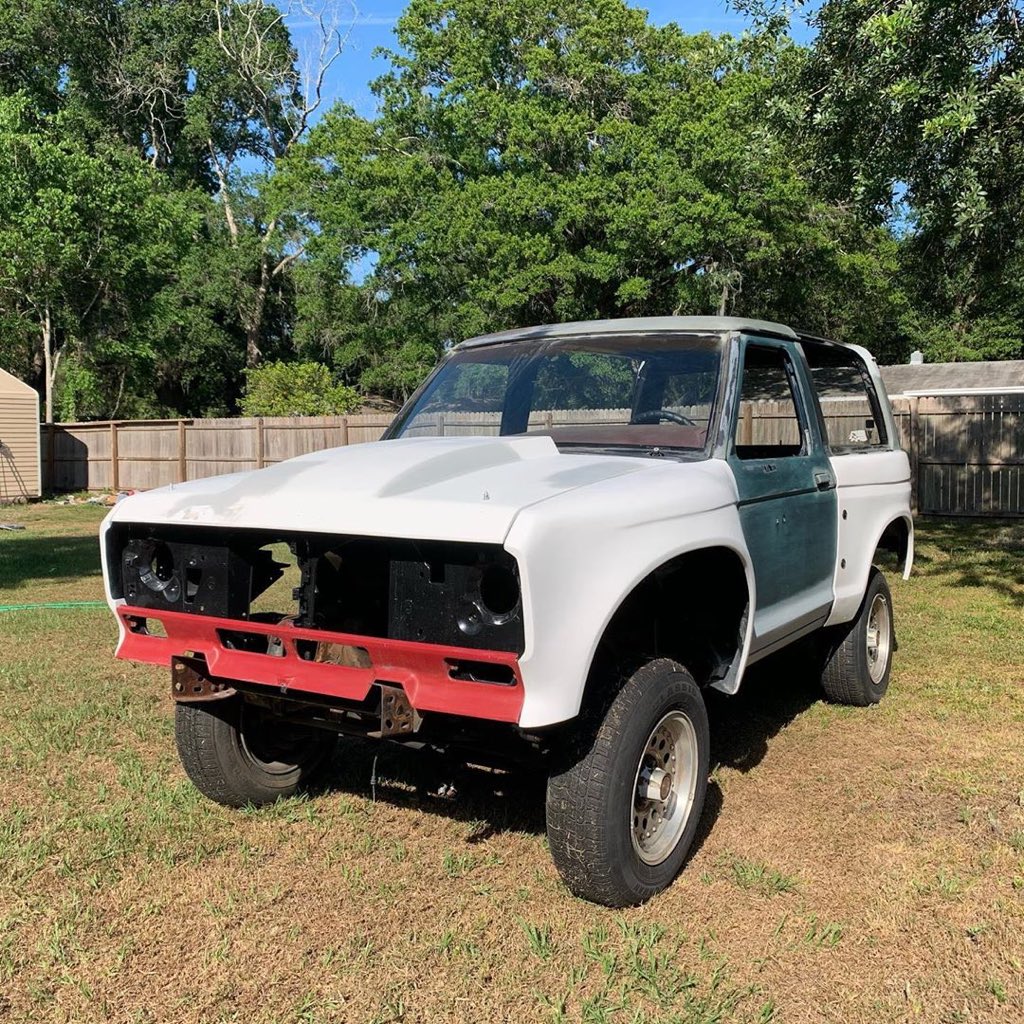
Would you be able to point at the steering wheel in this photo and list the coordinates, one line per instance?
(657, 415)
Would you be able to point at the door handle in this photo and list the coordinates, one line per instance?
(823, 481)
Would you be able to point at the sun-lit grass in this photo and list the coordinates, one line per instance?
(54, 558)
(853, 865)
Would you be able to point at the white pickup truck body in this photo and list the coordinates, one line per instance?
(694, 496)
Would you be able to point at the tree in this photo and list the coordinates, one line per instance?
(259, 66)
(208, 97)
(534, 163)
(913, 114)
(83, 236)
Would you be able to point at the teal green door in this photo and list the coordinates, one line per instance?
(787, 496)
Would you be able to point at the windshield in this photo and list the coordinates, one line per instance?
(608, 392)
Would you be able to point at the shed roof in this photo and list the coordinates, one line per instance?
(9, 384)
(954, 378)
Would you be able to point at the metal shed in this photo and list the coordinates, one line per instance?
(20, 477)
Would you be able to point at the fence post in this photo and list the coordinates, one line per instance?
(915, 454)
(115, 462)
(344, 430)
(182, 453)
(747, 424)
(51, 458)
(260, 440)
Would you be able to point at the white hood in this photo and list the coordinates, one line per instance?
(460, 489)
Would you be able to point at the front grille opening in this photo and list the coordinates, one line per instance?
(278, 597)
(344, 655)
(193, 579)
(480, 672)
(254, 643)
(146, 627)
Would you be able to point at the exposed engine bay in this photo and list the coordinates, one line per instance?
(462, 595)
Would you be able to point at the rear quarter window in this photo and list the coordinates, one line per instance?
(849, 403)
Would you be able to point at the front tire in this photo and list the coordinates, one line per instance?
(621, 818)
(237, 754)
(860, 655)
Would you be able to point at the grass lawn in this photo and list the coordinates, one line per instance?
(855, 866)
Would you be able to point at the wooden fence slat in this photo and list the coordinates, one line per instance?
(915, 454)
(115, 460)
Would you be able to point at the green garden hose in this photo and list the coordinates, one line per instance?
(53, 604)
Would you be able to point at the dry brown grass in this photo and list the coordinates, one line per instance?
(856, 866)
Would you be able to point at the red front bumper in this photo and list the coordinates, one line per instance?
(424, 671)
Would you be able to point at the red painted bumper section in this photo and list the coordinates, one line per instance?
(424, 671)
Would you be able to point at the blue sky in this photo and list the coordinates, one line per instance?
(374, 24)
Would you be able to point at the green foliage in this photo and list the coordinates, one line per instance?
(79, 392)
(166, 267)
(168, 218)
(913, 115)
(85, 232)
(295, 389)
(533, 164)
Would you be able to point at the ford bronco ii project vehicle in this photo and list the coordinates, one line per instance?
(568, 534)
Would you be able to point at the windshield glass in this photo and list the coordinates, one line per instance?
(607, 392)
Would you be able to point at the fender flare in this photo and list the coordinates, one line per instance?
(730, 684)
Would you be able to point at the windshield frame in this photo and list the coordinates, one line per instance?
(602, 342)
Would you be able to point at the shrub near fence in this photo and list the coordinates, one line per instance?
(967, 452)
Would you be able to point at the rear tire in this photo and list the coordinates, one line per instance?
(859, 654)
(622, 816)
(237, 754)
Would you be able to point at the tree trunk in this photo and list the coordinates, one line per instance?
(49, 363)
(254, 322)
(252, 340)
(225, 196)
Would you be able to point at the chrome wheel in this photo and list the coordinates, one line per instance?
(878, 637)
(664, 788)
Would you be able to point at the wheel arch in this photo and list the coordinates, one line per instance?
(660, 616)
(897, 538)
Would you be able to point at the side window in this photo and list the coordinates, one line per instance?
(849, 405)
(768, 426)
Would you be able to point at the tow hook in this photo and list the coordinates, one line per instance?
(191, 683)
(397, 716)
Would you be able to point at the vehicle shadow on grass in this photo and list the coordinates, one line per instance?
(25, 561)
(742, 726)
(440, 783)
(773, 694)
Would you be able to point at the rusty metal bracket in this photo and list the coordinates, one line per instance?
(190, 682)
(397, 716)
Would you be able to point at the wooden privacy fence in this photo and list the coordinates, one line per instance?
(139, 454)
(967, 452)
